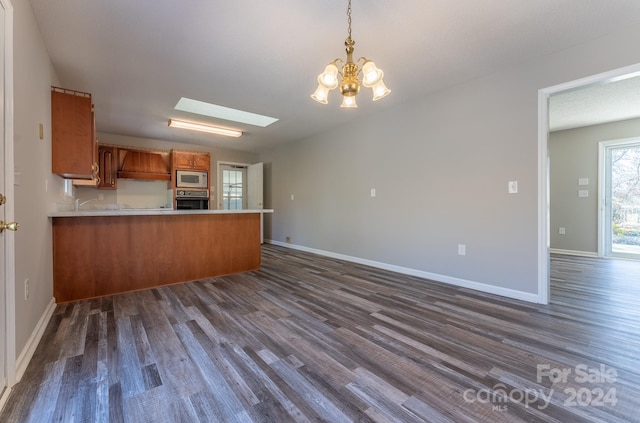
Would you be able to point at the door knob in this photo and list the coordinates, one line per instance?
(3, 199)
(10, 226)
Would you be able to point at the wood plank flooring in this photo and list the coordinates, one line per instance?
(313, 339)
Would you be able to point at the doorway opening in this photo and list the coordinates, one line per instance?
(619, 198)
(233, 194)
(544, 164)
(240, 186)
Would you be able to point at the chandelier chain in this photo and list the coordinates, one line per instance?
(349, 18)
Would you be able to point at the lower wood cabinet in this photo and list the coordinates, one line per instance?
(95, 256)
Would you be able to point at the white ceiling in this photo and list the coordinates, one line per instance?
(138, 58)
(598, 103)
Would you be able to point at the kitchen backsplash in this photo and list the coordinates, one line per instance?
(130, 194)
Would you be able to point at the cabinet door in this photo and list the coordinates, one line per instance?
(108, 165)
(73, 143)
(201, 162)
(182, 160)
(95, 167)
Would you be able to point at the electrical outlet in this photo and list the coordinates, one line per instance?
(462, 249)
(287, 239)
(562, 231)
(26, 289)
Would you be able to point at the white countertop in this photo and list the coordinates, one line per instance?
(146, 212)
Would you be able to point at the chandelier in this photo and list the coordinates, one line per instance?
(350, 84)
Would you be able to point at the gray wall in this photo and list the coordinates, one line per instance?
(574, 154)
(38, 188)
(440, 166)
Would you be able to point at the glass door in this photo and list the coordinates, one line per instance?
(234, 187)
(621, 202)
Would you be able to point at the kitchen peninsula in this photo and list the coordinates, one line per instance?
(104, 252)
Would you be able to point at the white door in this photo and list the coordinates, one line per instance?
(3, 207)
(7, 250)
(255, 186)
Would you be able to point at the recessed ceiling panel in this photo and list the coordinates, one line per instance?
(221, 112)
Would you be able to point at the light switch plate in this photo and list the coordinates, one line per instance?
(583, 181)
(373, 192)
(583, 193)
(513, 187)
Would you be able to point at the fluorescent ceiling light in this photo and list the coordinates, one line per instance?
(204, 128)
(221, 112)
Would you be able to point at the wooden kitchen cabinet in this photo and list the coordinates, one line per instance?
(74, 147)
(201, 162)
(95, 256)
(108, 167)
(189, 160)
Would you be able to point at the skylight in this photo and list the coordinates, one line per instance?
(221, 112)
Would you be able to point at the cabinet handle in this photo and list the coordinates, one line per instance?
(95, 168)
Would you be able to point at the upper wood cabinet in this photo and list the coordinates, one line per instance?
(108, 167)
(190, 160)
(74, 147)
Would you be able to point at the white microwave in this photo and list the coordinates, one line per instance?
(191, 179)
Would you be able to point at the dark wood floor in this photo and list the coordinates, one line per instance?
(309, 339)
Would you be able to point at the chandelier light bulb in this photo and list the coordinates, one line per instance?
(320, 95)
(329, 78)
(349, 102)
(371, 74)
(380, 90)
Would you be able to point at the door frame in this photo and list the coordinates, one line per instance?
(8, 237)
(544, 283)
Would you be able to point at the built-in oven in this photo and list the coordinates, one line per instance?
(191, 199)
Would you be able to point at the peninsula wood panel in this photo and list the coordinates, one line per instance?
(102, 255)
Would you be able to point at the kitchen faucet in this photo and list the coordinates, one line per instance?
(79, 204)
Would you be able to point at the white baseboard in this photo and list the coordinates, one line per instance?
(463, 283)
(29, 349)
(22, 361)
(4, 397)
(573, 253)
